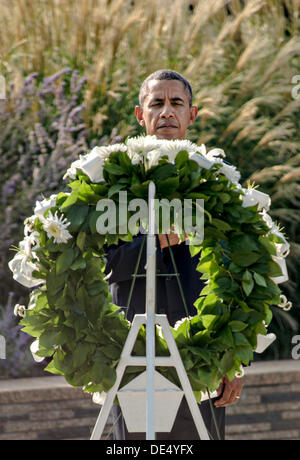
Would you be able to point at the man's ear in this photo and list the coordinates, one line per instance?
(193, 114)
(139, 115)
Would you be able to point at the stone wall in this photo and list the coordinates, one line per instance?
(270, 404)
(47, 408)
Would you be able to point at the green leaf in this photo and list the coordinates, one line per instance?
(225, 336)
(247, 282)
(208, 320)
(162, 172)
(260, 280)
(168, 186)
(181, 158)
(79, 264)
(224, 197)
(77, 215)
(226, 362)
(70, 201)
(245, 354)
(245, 259)
(80, 240)
(240, 339)
(194, 250)
(115, 188)
(48, 338)
(114, 169)
(64, 261)
(237, 326)
(111, 351)
(80, 353)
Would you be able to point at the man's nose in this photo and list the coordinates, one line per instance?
(167, 111)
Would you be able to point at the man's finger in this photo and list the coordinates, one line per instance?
(225, 398)
(220, 389)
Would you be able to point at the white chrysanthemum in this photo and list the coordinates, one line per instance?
(142, 144)
(105, 151)
(177, 145)
(56, 227)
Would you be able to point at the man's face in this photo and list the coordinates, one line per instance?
(166, 112)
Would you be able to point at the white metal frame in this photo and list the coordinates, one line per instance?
(150, 319)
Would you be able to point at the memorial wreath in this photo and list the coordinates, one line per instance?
(62, 256)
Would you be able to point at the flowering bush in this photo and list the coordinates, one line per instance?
(42, 132)
(18, 362)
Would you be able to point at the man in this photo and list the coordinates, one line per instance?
(166, 111)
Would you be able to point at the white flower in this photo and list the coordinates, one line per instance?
(176, 145)
(282, 264)
(268, 220)
(214, 153)
(99, 398)
(22, 268)
(34, 348)
(179, 322)
(239, 374)
(92, 166)
(202, 161)
(253, 197)
(283, 249)
(56, 227)
(105, 151)
(42, 206)
(20, 310)
(232, 174)
(142, 144)
(71, 172)
(152, 158)
(135, 158)
(284, 303)
(264, 341)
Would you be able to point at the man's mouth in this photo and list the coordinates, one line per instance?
(167, 126)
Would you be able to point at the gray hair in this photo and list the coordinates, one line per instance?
(165, 74)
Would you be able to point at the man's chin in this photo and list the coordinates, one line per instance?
(168, 134)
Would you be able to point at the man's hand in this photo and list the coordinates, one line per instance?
(173, 239)
(232, 391)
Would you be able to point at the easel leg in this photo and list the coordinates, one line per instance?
(124, 361)
(186, 386)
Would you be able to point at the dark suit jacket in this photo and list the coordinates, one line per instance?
(121, 260)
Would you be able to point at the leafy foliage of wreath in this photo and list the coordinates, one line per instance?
(71, 313)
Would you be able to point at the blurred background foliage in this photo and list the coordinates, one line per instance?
(73, 70)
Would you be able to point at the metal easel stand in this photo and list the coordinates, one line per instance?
(150, 319)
